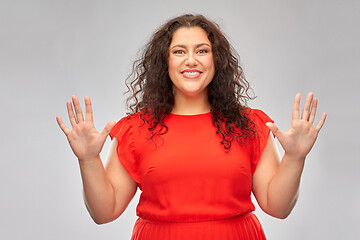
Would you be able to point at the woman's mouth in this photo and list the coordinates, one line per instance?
(191, 73)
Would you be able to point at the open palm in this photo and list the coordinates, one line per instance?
(301, 136)
(85, 141)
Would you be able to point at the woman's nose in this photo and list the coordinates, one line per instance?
(191, 60)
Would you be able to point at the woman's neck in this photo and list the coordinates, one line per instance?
(186, 105)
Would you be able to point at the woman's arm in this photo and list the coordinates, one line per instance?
(276, 184)
(108, 191)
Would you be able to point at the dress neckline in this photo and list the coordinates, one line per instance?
(190, 115)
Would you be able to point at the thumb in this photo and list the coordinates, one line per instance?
(274, 129)
(107, 128)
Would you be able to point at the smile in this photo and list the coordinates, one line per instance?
(191, 73)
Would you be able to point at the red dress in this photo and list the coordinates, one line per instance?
(191, 187)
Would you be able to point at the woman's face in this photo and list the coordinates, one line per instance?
(191, 63)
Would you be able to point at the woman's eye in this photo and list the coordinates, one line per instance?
(203, 51)
(178, 52)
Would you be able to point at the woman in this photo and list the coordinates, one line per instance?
(191, 144)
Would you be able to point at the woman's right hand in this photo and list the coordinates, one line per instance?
(85, 141)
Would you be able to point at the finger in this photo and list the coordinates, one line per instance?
(296, 107)
(321, 122)
(306, 109)
(107, 129)
(313, 110)
(78, 110)
(275, 130)
(88, 108)
(62, 125)
(71, 114)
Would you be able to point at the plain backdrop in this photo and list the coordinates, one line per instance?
(52, 49)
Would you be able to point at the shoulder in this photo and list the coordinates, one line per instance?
(134, 119)
(257, 116)
(259, 119)
(127, 124)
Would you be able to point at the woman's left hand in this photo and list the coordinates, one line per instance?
(298, 140)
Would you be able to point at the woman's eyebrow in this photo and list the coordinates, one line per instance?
(184, 46)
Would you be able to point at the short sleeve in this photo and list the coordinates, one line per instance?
(262, 134)
(123, 131)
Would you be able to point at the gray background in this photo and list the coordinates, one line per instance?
(50, 50)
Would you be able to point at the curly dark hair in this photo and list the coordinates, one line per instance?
(151, 86)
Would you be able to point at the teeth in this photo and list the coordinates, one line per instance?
(191, 73)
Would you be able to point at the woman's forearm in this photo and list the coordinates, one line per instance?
(284, 187)
(99, 194)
